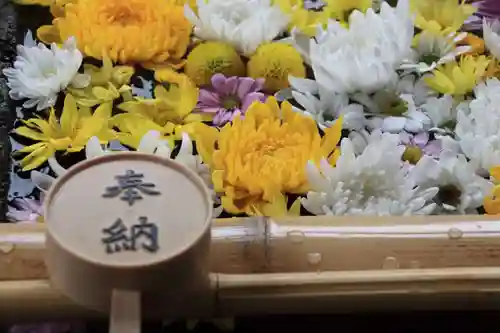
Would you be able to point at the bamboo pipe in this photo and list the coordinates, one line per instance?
(300, 293)
(357, 269)
(306, 244)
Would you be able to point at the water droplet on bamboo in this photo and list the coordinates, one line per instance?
(314, 258)
(6, 248)
(296, 236)
(390, 263)
(455, 233)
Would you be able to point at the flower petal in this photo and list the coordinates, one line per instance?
(69, 116)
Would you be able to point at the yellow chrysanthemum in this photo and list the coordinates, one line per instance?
(458, 78)
(306, 21)
(170, 109)
(275, 62)
(211, 58)
(133, 127)
(441, 15)
(70, 133)
(491, 202)
(49, 33)
(493, 69)
(170, 75)
(342, 9)
(258, 158)
(132, 31)
(106, 84)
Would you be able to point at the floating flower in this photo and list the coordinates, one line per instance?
(441, 111)
(364, 57)
(491, 35)
(132, 127)
(274, 62)
(118, 28)
(25, 210)
(106, 84)
(210, 58)
(461, 190)
(302, 18)
(442, 15)
(325, 107)
(434, 49)
(244, 24)
(397, 107)
(485, 9)
(458, 78)
(69, 133)
(478, 126)
(404, 115)
(39, 73)
(171, 110)
(476, 44)
(418, 145)
(229, 97)
(492, 200)
(168, 76)
(375, 183)
(341, 9)
(262, 156)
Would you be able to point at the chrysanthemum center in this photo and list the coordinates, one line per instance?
(270, 146)
(430, 58)
(230, 102)
(122, 15)
(49, 71)
(397, 107)
(412, 154)
(217, 65)
(449, 194)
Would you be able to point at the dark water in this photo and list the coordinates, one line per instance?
(419, 322)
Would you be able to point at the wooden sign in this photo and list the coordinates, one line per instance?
(128, 230)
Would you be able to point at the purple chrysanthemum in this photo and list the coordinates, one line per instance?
(25, 210)
(486, 9)
(420, 144)
(229, 97)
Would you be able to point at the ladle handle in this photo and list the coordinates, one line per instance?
(125, 316)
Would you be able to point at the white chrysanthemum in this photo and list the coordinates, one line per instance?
(396, 107)
(245, 24)
(374, 183)
(325, 107)
(478, 126)
(440, 110)
(411, 120)
(39, 73)
(461, 189)
(365, 56)
(491, 37)
(433, 49)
